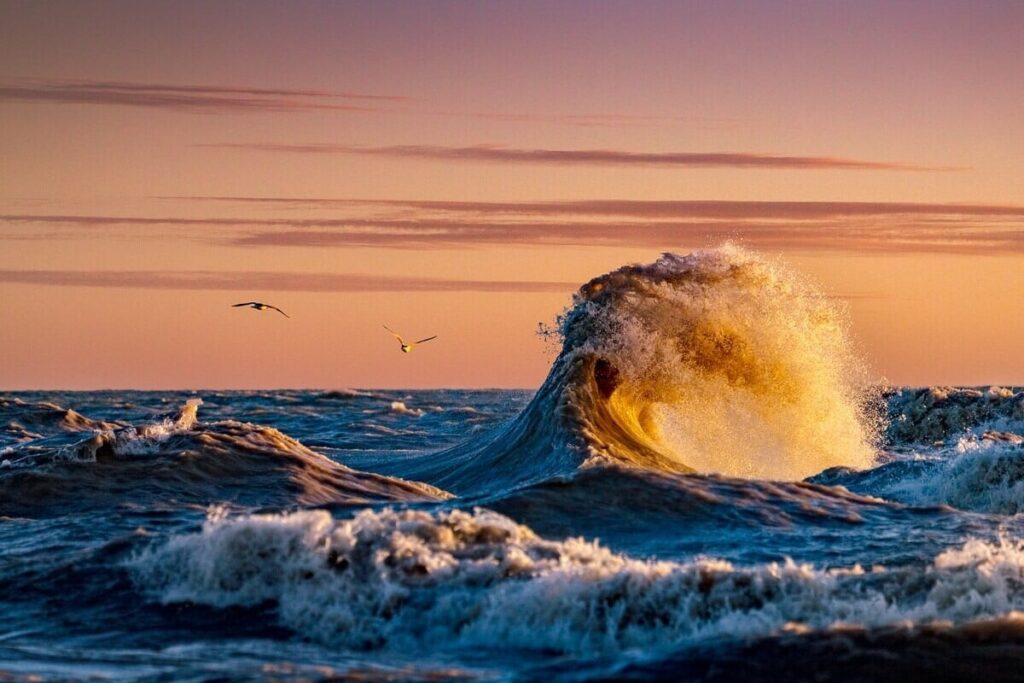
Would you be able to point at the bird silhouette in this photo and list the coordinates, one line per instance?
(261, 307)
(406, 346)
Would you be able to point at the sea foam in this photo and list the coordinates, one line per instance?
(415, 580)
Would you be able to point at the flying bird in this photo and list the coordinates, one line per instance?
(406, 347)
(261, 307)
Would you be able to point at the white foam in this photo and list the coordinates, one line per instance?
(146, 439)
(412, 579)
(980, 475)
(400, 407)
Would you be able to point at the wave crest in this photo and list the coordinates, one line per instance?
(724, 362)
(413, 579)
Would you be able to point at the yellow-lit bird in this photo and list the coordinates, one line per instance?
(406, 347)
(261, 307)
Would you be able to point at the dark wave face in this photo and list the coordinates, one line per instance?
(704, 488)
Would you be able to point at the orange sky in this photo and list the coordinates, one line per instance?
(458, 169)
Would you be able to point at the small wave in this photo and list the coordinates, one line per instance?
(985, 475)
(400, 407)
(346, 395)
(15, 432)
(45, 418)
(988, 476)
(182, 459)
(978, 474)
(943, 415)
(991, 649)
(413, 579)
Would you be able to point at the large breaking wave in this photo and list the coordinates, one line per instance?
(719, 361)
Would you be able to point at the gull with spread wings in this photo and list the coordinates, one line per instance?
(406, 347)
(260, 307)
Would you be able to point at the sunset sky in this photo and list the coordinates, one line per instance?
(459, 168)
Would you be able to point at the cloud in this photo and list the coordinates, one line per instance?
(817, 237)
(594, 120)
(232, 98)
(594, 157)
(122, 86)
(635, 208)
(193, 280)
(194, 98)
(867, 227)
(276, 281)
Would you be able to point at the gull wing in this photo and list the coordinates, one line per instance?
(279, 311)
(247, 303)
(425, 340)
(394, 334)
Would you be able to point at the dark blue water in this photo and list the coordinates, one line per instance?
(252, 541)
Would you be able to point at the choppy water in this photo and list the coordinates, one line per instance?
(703, 489)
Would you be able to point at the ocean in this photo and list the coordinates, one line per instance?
(707, 486)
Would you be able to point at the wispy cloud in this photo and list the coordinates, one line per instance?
(898, 238)
(193, 280)
(594, 120)
(597, 157)
(271, 281)
(195, 98)
(201, 98)
(635, 208)
(868, 227)
(119, 86)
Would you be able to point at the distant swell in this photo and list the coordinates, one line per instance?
(719, 361)
(935, 415)
(25, 421)
(86, 462)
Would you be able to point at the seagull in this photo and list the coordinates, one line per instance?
(406, 348)
(261, 307)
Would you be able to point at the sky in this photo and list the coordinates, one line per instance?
(460, 168)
